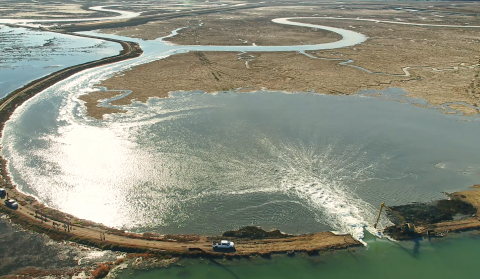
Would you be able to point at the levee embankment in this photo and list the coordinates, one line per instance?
(457, 213)
(60, 226)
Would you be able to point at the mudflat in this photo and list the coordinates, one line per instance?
(47, 10)
(392, 56)
(439, 64)
(438, 218)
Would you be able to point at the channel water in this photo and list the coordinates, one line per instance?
(206, 163)
(26, 55)
(437, 258)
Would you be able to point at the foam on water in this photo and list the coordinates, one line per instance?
(323, 181)
(149, 182)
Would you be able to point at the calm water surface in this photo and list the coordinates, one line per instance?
(26, 55)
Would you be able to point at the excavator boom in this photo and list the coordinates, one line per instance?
(391, 210)
(379, 214)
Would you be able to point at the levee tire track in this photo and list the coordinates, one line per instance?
(216, 72)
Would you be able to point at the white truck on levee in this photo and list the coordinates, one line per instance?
(225, 244)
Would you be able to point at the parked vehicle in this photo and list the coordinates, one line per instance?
(11, 203)
(224, 244)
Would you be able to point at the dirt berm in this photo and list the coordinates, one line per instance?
(437, 219)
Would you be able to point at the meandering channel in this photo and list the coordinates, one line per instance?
(29, 22)
(310, 185)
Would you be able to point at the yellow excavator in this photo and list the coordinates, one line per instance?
(405, 227)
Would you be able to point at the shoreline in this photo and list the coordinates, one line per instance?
(60, 226)
(33, 215)
(20, 95)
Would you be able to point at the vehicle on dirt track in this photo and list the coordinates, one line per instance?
(224, 244)
(11, 203)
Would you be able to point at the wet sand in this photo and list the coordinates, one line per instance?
(471, 196)
(457, 213)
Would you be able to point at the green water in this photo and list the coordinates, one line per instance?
(453, 257)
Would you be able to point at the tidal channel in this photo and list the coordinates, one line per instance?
(206, 163)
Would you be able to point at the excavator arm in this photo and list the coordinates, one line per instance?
(391, 210)
(379, 214)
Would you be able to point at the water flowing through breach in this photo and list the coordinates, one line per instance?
(201, 163)
(174, 158)
(206, 163)
(324, 181)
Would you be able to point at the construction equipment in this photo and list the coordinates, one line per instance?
(405, 227)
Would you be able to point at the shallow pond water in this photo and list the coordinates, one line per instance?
(202, 163)
(26, 55)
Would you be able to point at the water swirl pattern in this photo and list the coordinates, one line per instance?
(206, 163)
